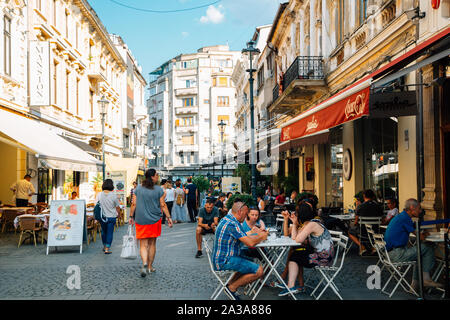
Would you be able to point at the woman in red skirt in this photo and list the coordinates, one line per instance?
(148, 203)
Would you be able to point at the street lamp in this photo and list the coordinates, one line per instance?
(103, 105)
(222, 126)
(252, 52)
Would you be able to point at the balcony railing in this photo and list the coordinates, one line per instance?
(306, 68)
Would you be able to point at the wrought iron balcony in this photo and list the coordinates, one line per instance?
(302, 80)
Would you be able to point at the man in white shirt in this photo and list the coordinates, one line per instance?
(23, 189)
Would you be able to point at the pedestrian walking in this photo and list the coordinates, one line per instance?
(163, 186)
(146, 208)
(111, 209)
(179, 211)
(23, 190)
(192, 199)
(170, 197)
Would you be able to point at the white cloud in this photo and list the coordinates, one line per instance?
(213, 15)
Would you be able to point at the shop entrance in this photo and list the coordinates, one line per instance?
(445, 125)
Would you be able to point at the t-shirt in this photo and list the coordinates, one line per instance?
(219, 204)
(23, 188)
(391, 213)
(280, 199)
(208, 218)
(148, 210)
(170, 195)
(227, 243)
(191, 194)
(108, 203)
(369, 209)
(398, 230)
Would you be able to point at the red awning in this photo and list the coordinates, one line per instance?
(347, 105)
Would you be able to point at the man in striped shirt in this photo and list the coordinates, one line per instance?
(227, 248)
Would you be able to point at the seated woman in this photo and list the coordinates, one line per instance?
(318, 250)
(251, 225)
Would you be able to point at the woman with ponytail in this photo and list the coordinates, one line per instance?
(148, 203)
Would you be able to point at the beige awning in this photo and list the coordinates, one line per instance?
(52, 150)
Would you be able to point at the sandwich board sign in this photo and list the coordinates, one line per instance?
(67, 223)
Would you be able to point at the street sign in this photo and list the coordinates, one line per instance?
(66, 225)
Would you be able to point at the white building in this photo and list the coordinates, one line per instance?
(191, 94)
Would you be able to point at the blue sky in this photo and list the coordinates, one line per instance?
(155, 38)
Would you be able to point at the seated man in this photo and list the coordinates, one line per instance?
(393, 211)
(220, 205)
(281, 198)
(397, 236)
(227, 249)
(369, 208)
(208, 219)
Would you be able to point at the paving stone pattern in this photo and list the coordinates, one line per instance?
(28, 273)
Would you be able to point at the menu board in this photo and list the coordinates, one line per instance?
(66, 224)
(119, 179)
(231, 184)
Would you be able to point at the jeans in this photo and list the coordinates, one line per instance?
(192, 209)
(107, 231)
(241, 264)
(404, 254)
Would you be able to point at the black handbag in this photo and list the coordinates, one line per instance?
(98, 214)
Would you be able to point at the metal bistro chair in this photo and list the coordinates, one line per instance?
(29, 225)
(335, 236)
(222, 276)
(398, 270)
(363, 223)
(329, 273)
(370, 234)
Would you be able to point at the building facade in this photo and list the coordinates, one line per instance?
(58, 61)
(354, 106)
(189, 96)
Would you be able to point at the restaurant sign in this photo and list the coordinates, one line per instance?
(39, 73)
(393, 104)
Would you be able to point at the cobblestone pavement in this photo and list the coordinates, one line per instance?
(28, 273)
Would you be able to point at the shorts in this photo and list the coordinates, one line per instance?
(241, 265)
(205, 231)
(301, 257)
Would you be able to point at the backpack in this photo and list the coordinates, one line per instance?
(98, 213)
(180, 199)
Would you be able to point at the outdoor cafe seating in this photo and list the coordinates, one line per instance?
(29, 225)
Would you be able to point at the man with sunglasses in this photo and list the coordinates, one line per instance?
(227, 249)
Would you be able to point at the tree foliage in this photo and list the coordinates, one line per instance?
(201, 182)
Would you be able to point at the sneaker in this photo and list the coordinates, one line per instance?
(199, 254)
(286, 291)
(300, 289)
(233, 294)
(144, 271)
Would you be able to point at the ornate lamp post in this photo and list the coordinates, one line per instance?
(252, 52)
(222, 126)
(103, 105)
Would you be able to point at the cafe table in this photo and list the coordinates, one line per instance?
(343, 217)
(273, 250)
(43, 217)
(17, 209)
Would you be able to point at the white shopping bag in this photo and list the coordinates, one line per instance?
(129, 246)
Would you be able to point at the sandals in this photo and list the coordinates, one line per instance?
(107, 251)
(151, 269)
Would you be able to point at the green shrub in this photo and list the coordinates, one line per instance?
(246, 198)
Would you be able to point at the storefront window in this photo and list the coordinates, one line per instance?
(337, 182)
(381, 157)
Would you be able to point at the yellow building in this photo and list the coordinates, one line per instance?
(350, 96)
